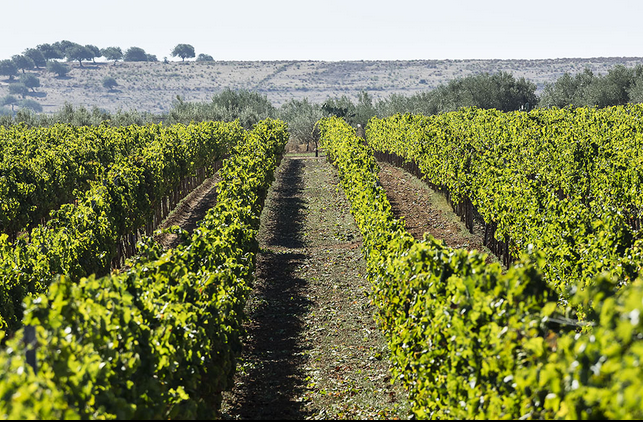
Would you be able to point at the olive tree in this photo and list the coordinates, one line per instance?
(60, 69)
(30, 81)
(109, 82)
(302, 116)
(32, 105)
(23, 62)
(204, 58)
(18, 89)
(112, 53)
(95, 52)
(184, 51)
(135, 54)
(37, 57)
(49, 51)
(79, 53)
(636, 92)
(8, 68)
(9, 100)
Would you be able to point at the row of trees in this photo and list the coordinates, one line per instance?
(11, 67)
(45, 55)
(621, 85)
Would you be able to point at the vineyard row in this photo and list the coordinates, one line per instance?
(471, 341)
(97, 231)
(160, 339)
(565, 183)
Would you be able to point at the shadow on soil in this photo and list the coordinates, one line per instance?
(272, 374)
(288, 217)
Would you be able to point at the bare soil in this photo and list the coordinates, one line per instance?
(427, 211)
(189, 211)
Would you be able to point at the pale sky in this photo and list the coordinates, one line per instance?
(334, 29)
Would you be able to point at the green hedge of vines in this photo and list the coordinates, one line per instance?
(160, 339)
(471, 341)
(81, 239)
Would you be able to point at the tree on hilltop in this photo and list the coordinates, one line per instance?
(95, 51)
(23, 62)
(37, 57)
(204, 58)
(112, 53)
(63, 46)
(79, 53)
(49, 51)
(135, 54)
(183, 51)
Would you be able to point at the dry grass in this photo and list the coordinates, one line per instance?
(152, 87)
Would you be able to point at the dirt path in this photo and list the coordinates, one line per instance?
(425, 210)
(189, 211)
(313, 350)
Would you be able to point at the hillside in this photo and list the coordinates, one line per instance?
(152, 86)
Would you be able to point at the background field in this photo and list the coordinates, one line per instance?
(153, 86)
